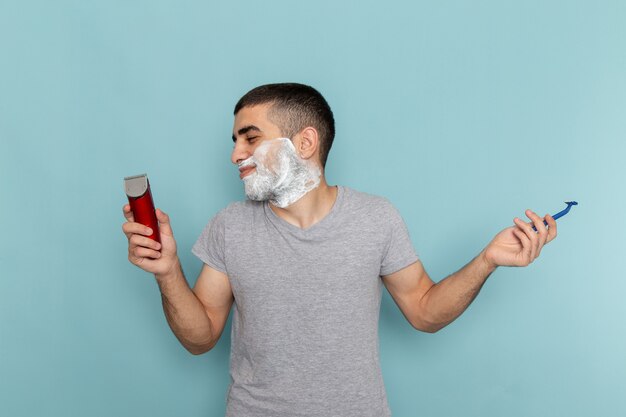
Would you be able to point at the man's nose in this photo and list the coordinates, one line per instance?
(240, 153)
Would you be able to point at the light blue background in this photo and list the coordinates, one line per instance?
(462, 113)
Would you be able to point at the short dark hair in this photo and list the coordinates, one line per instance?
(295, 107)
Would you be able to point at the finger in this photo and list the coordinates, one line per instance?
(164, 222)
(141, 252)
(542, 230)
(526, 244)
(128, 214)
(131, 228)
(551, 227)
(142, 241)
(537, 222)
(530, 233)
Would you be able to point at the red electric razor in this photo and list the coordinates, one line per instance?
(140, 198)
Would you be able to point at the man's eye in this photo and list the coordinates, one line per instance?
(253, 139)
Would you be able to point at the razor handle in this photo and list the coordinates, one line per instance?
(140, 199)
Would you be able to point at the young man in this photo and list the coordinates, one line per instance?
(304, 264)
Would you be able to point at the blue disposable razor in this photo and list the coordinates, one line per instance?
(560, 213)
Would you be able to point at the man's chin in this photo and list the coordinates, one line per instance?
(256, 196)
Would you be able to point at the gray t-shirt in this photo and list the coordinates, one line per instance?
(304, 338)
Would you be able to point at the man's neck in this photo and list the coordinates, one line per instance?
(311, 208)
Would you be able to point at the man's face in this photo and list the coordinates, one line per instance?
(251, 128)
(269, 165)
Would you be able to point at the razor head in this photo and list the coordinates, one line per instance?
(136, 186)
(571, 203)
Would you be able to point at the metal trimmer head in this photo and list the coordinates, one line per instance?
(136, 185)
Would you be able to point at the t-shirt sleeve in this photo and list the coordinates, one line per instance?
(399, 252)
(211, 245)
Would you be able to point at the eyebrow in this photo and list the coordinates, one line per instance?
(245, 130)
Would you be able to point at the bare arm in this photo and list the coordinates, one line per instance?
(197, 317)
(430, 307)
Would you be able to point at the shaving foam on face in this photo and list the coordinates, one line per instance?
(281, 176)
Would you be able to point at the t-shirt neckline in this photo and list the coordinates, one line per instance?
(323, 224)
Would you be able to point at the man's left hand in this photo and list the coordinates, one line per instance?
(519, 245)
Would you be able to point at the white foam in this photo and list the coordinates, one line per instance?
(281, 175)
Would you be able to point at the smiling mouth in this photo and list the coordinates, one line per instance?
(243, 172)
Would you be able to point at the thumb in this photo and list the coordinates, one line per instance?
(164, 222)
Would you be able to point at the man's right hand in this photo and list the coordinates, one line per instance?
(147, 254)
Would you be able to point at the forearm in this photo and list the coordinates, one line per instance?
(184, 312)
(449, 298)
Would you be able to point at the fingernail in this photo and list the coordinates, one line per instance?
(148, 231)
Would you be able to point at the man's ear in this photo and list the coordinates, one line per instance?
(307, 143)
